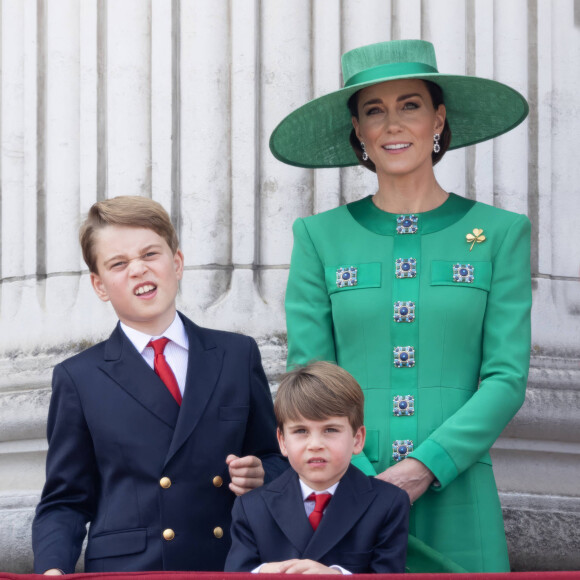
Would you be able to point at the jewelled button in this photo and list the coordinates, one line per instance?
(404, 356)
(463, 273)
(168, 534)
(407, 224)
(402, 448)
(405, 267)
(403, 405)
(404, 311)
(346, 276)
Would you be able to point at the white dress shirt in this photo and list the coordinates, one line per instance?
(176, 351)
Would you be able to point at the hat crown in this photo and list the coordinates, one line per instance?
(394, 52)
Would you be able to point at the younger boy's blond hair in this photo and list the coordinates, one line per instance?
(318, 391)
(126, 210)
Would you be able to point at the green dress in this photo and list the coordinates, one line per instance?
(437, 332)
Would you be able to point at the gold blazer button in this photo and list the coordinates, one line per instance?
(168, 534)
(165, 482)
(217, 481)
(218, 532)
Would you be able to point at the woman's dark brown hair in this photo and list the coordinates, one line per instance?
(437, 99)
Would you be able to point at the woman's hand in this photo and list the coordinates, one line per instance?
(411, 475)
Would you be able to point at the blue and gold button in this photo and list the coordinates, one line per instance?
(403, 406)
(405, 267)
(407, 224)
(404, 311)
(463, 273)
(404, 356)
(347, 276)
(402, 448)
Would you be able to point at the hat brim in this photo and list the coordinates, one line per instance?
(316, 134)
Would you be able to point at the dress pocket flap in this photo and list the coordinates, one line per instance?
(349, 276)
(461, 273)
(117, 543)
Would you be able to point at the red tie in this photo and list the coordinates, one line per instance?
(321, 500)
(162, 368)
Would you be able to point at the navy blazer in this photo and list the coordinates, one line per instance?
(114, 431)
(364, 528)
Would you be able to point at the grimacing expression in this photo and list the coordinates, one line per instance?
(139, 274)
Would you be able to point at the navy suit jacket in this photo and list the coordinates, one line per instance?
(114, 431)
(364, 528)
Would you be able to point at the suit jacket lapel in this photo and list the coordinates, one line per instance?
(353, 496)
(204, 365)
(284, 501)
(124, 365)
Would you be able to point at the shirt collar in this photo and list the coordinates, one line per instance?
(306, 491)
(176, 333)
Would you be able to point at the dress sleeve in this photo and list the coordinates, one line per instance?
(469, 433)
(68, 499)
(308, 307)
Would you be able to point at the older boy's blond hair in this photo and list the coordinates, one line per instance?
(318, 391)
(126, 210)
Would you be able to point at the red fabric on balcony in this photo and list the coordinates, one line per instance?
(245, 576)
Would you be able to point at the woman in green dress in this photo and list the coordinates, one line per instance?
(424, 296)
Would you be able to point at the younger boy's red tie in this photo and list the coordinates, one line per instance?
(321, 500)
(162, 368)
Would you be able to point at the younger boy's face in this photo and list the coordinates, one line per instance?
(320, 451)
(139, 274)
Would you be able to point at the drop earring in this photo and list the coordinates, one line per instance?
(365, 155)
(436, 146)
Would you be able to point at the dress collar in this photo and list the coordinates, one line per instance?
(368, 215)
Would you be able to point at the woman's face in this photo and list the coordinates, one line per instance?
(396, 122)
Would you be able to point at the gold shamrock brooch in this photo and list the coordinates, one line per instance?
(476, 237)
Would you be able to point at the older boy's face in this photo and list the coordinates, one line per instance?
(320, 451)
(139, 274)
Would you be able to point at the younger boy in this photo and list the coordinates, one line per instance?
(280, 529)
(146, 428)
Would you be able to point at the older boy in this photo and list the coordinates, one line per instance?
(284, 527)
(146, 428)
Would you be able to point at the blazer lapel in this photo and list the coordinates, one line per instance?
(353, 496)
(124, 365)
(284, 501)
(204, 365)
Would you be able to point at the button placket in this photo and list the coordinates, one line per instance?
(404, 334)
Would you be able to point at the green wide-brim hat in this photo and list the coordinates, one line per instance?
(317, 134)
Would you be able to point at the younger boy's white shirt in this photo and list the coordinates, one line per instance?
(176, 351)
(309, 508)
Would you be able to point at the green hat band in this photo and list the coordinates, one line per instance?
(390, 70)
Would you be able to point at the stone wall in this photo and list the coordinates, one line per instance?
(175, 99)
